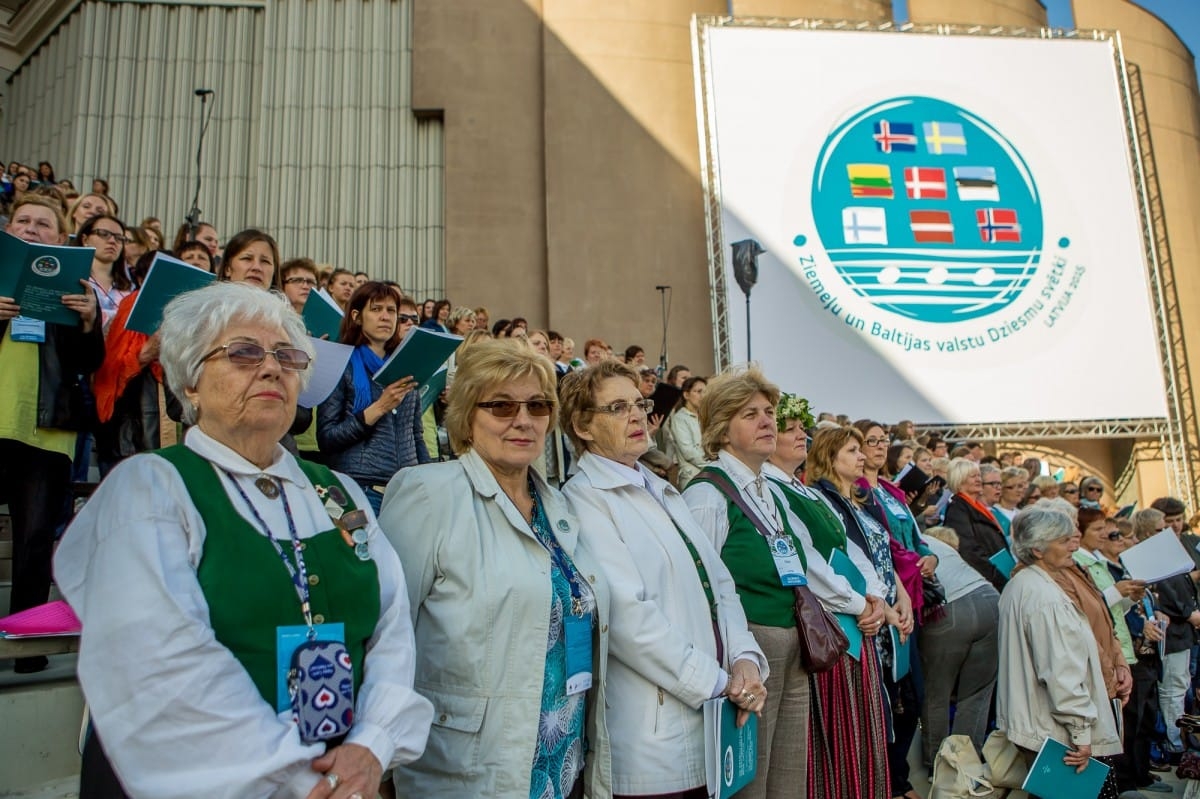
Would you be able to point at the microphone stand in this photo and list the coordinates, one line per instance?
(666, 316)
(193, 216)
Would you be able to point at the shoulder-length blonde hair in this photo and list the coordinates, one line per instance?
(726, 394)
(578, 395)
(485, 367)
(827, 443)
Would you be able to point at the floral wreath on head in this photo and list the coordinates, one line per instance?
(793, 406)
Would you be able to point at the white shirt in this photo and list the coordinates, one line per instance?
(178, 715)
(711, 510)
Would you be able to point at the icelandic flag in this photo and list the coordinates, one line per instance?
(895, 137)
(998, 225)
(931, 226)
(945, 138)
(870, 180)
(976, 183)
(864, 225)
(925, 183)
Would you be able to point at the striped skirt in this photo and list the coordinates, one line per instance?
(847, 752)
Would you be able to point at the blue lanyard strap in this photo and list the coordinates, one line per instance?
(546, 539)
(297, 572)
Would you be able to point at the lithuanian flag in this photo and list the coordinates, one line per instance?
(870, 180)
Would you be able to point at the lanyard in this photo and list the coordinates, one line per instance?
(298, 572)
(557, 554)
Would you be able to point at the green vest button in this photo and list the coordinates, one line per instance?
(318, 619)
(313, 579)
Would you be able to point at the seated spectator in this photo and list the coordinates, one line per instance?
(683, 430)
(196, 254)
(360, 278)
(520, 326)
(1069, 490)
(341, 285)
(100, 186)
(250, 257)
(483, 318)
(502, 328)
(635, 356)
(204, 233)
(1046, 485)
(299, 279)
(46, 173)
(461, 321)
(678, 374)
(898, 456)
(595, 351)
(1091, 491)
(441, 315)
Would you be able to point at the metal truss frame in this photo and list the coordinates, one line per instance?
(1177, 436)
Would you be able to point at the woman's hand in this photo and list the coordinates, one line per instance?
(347, 771)
(1124, 684)
(389, 400)
(746, 690)
(83, 304)
(1153, 632)
(873, 616)
(904, 610)
(653, 422)
(1078, 757)
(9, 309)
(928, 565)
(1132, 589)
(149, 351)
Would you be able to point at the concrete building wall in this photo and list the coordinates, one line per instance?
(1014, 13)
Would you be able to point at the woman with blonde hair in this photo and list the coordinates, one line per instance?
(748, 521)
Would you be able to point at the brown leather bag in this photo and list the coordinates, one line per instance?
(822, 641)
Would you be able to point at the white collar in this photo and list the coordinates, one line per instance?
(633, 475)
(282, 466)
(739, 472)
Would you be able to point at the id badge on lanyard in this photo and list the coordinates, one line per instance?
(22, 328)
(578, 630)
(787, 560)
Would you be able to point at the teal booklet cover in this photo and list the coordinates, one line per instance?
(730, 752)
(1004, 562)
(322, 317)
(166, 279)
(840, 562)
(430, 391)
(422, 353)
(37, 276)
(1051, 778)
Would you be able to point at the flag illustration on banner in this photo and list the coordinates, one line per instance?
(931, 226)
(895, 137)
(945, 138)
(864, 225)
(925, 183)
(998, 225)
(976, 183)
(870, 180)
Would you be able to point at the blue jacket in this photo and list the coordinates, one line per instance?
(369, 454)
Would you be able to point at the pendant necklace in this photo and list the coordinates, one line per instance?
(267, 485)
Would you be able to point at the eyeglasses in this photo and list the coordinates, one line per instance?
(1115, 535)
(307, 281)
(507, 409)
(411, 318)
(624, 407)
(991, 482)
(1094, 488)
(109, 235)
(247, 353)
(1071, 491)
(875, 442)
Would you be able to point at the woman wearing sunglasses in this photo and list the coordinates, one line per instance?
(509, 605)
(679, 633)
(200, 570)
(366, 430)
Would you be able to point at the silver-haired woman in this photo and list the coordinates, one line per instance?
(1051, 680)
(200, 570)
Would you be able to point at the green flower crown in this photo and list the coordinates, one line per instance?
(792, 406)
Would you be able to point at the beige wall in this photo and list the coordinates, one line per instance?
(1017, 13)
(872, 10)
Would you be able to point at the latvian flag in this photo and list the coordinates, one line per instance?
(931, 227)
(870, 180)
(895, 137)
(998, 225)
(976, 183)
(925, 183)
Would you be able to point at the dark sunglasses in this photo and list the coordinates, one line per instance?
(1115, 536)
(247, 353)
(410, 317)
(507, 409)
(1094, 488)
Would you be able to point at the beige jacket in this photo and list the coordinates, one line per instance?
(479, 591)
(1051, 681)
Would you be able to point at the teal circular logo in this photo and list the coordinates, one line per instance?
(927, 211)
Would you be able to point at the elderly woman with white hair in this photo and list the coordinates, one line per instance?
(968, 514)
(246, 625)
(1051, 678)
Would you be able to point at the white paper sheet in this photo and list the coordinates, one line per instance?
(328, 368)
(1158, 557)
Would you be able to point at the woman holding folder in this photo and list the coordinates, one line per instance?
(369, 431)
(679, 635)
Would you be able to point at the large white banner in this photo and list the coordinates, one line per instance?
(950, 223)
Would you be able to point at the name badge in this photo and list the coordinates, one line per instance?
(579, 653)
(287, 641)
(787, 561)
(22, 328)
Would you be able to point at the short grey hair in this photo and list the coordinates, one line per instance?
(958, 471)
(1037, 527)
(193, 322)
(1059, 504)
(986, 468)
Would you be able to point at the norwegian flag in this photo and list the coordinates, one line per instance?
(897, 137)
(925, 183)
(998, 225)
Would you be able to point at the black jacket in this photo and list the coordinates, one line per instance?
(66, 354)
(978, 539)
(1177, 599)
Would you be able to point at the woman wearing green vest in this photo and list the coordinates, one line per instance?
(848, 736)
(679, 636)
(739, 433)
(201, 571)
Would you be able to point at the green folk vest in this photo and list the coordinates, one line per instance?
(823, 526)
(250, 593)
(748, 557)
